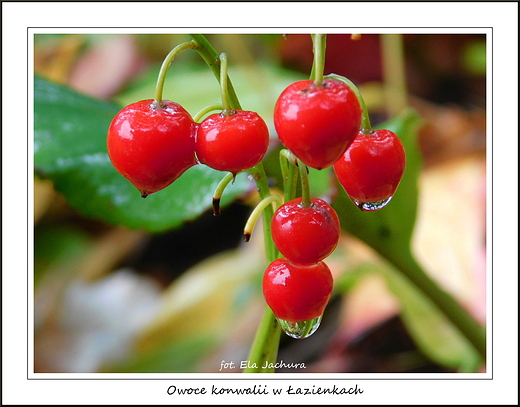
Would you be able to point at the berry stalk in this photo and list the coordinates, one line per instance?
(224, 91)
(210, 56)
(204, 111)
(217, 195)
(288, 165)
(319, 42)
(366, 127)
(394, 74)
(253, 218)
(164, 69)
(304, 178)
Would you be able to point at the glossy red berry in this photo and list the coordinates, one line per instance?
(233, 142)
(317, 123)
(152, 146)
(297, 293)
(372, 168)
(305, 235)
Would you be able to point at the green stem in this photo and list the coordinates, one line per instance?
(258, 173)
(265, 346)
(289, 173)
(366, 127)
(319, 42)
(217, 195)
(306, 191)
(264, 349)
(253, 218)
(204, 111)
(210, 56)
(164, 68)
(394, 73)
(224, 85)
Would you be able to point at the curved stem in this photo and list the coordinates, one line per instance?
(366, 127)
(224, 93)
(217, 195)
(204, 111)
(164, 68)
(210, 56)
(258, 173)
(253, 218)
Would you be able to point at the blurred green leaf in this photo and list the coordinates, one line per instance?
(474, 57)
(56, 247)
(178, 357)
(348, 280)
(432, 332)
(197, 311)
(70, 149)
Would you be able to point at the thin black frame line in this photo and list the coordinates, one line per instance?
(490, 234)
(266, 28)
(490, 114)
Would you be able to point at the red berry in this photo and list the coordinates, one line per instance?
(305, 235)
(371, 169)
(152, 146)
(317, 123)
(233, 142)
(297, 293)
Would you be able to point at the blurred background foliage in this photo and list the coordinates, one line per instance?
(123, 284)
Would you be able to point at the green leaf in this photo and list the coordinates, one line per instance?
(70, 149)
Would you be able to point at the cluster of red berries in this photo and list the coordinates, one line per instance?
(321, 125)
(298, 286)
(153, 143)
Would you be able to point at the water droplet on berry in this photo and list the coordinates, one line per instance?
(302, 329)
(372, 206)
